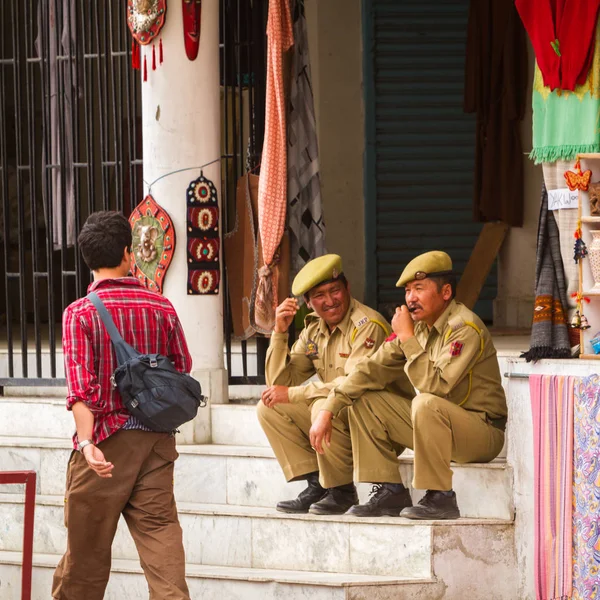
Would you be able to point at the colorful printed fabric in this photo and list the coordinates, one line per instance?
(272, 187)
(565, 123)
(552, 399)
(586, 489)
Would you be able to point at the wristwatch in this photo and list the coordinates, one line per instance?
(81, 445)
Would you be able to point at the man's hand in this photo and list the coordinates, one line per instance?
(97, 462)
(275, 394)
(284, 315)
(321, 431)
(402, 324)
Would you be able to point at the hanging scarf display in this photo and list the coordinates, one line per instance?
(192, 12)
(153, 243)
(565, 123)
(203, 243)
(562, 35)
(145, 19)
(272, 187)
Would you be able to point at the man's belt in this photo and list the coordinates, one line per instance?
(499, 423)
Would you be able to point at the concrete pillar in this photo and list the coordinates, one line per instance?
(181, 129)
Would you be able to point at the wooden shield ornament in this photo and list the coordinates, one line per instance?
(145, 19)
(192, 12)
(153, 243)
(203, 243)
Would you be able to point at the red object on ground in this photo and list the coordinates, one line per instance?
(28, 478)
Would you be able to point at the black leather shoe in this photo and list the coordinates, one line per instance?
(337, 501)
(313, 493)
(383, 502)
(434, 505)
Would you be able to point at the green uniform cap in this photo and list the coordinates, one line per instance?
(425, 265)
(319, 270)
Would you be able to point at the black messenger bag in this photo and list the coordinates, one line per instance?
(152, 390)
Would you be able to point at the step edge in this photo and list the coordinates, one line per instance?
(260, 512)
(313, 578)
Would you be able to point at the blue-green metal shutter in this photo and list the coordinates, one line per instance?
(419, 159)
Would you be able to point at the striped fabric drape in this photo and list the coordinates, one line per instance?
(552, 400)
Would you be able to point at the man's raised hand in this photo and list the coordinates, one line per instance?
(285, 313)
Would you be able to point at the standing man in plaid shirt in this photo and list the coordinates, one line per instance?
(118, 467)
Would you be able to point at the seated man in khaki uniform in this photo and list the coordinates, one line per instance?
(460, 411)
(336, 336)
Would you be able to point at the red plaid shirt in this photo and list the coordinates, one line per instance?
(146, 320)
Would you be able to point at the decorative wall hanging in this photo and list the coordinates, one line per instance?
(580, 249)
(578, 180)
(145, 19)
(579, 320)
(153, 243)
(192, 16)
(203, 244)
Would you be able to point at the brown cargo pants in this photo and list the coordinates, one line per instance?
(141, 489)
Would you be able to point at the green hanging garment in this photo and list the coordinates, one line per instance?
(567, 123)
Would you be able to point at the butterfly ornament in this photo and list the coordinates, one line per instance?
(579, 180)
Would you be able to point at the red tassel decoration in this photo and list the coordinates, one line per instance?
(145, 69)
(135, 55)
(153, 57)
(160, 51)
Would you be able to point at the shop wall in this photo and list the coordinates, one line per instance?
(336, 62)
(516, 265)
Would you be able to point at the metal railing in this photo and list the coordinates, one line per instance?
(29, 478)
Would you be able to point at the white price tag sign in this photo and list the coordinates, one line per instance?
(563, 198)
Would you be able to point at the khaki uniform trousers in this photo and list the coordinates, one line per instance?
(287, 427)
(437, 430)
(141, 489)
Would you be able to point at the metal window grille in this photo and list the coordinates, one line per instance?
(243, 84)
(70, 144)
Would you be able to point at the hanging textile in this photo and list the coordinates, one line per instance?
(552, 400)
(243, 251)
(567, 220)
(272, 188)
(305, 209)
(549, 333)
(566, 123)
(562, 35)
(586, 489)
(495, 90)
(63, 95)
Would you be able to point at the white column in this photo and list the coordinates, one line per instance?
(181, 123)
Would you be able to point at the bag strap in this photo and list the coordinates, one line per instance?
(122, 349)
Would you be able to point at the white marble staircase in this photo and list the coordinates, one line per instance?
(239, 547)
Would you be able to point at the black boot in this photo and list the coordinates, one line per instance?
(384, 501)
(434, 505)
(313, 493)
(337, 501)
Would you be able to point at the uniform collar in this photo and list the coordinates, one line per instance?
(119, 281)
(442, 320)
(343, 325)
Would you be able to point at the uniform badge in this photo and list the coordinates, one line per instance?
(344, 355)
(369, 343)
(362, 322)
(456, 348)
(312, 350)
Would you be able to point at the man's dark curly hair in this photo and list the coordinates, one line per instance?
(103, 238)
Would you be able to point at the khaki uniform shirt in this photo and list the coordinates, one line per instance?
(455, 360)
(331, 355)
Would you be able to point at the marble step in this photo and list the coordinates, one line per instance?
(229, 583)
(260, 538)
(250, 476)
